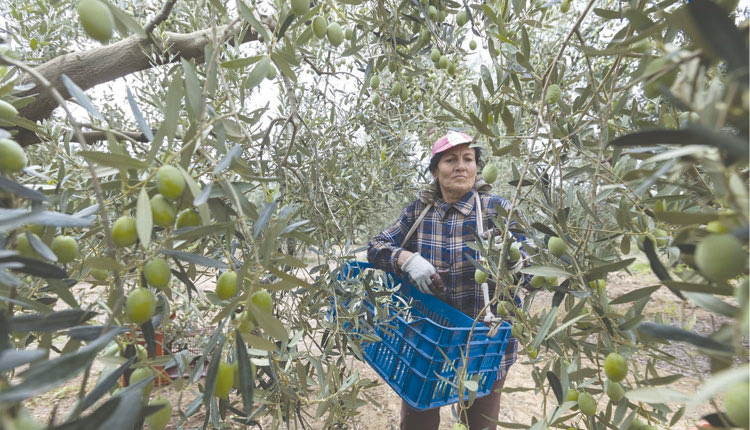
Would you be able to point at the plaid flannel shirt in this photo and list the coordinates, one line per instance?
(442, 239)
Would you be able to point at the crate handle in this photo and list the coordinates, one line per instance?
(489, 317)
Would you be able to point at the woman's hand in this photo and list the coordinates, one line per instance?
(420, 271)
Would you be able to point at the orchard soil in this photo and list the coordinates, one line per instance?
(517, 406)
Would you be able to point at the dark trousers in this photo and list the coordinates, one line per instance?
(480, 416)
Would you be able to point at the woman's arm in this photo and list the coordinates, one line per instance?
(386, 253)
(384, 250)
(403, 256)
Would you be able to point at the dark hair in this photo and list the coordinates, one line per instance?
(477, 158)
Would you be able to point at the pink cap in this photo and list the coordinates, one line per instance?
(451, 139)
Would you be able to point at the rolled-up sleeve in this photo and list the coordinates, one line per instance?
(384, 249)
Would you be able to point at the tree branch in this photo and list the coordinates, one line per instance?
(107, 63)
(99, 135)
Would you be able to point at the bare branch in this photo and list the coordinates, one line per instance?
(315, 68)
(99, 135)
(294, 117)
(266, 135)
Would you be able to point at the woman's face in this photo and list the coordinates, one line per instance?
(456, 172)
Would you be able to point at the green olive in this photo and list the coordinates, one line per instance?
(157, 273)
(374, 82)
(720, 257)
(300, 7)
(537, 281)
(480, 276)
(23, 246)
(443, 61)
(262, 299)
(226, 286)
(140, 305)
(335, 34)
(224, 380)
(616, 367)
(461, 18)
(7, 110)
(140, 374)
(586, 403)
(319, 25)
(96, 19)
(556, 246)
(162, 211)
(553, 94)
(432, 13)
(100, 275)
(615, 391)
(188, 218)
(65, 248)
(159, 419)
(124, 231)
(170, 182)
(735, 403)
(12, 156)
(435, 55)
(396, 89)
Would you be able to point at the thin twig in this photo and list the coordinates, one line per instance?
(266, 135)
(315, 68)
(160, 17)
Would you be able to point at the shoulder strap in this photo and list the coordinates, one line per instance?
(480, 218)
(416, 225)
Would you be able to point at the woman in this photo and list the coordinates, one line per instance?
(432, 236)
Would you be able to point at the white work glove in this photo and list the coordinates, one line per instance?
(420, 271)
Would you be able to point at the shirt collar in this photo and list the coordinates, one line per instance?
(465, 205)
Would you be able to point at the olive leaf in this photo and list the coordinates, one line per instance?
(44, 375)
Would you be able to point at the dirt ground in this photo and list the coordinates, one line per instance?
(517, 407)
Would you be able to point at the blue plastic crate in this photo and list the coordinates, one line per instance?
(422, 353)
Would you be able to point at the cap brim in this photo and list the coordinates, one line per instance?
(449, 141)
